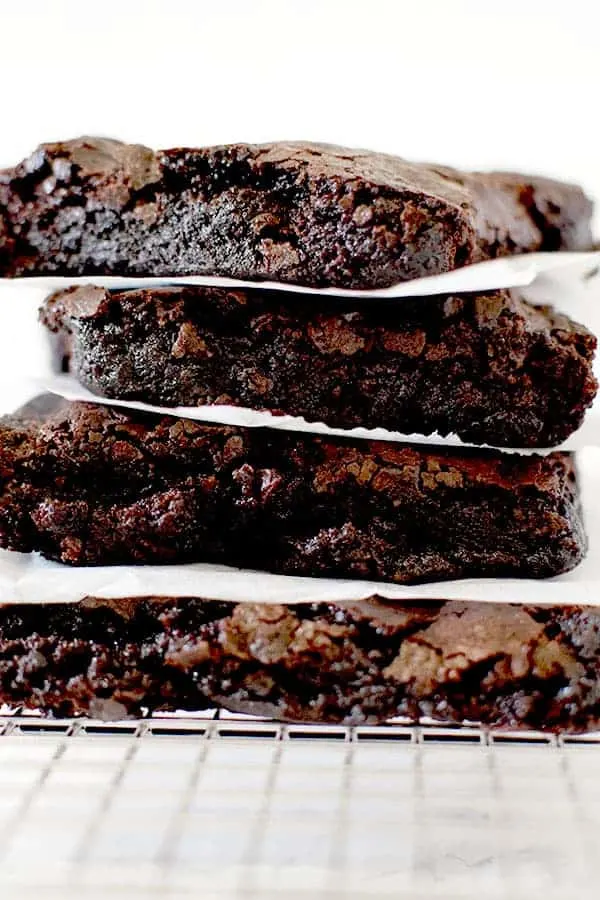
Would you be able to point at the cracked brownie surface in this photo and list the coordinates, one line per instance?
(311, 214)
(503, 665)
(489, 367)
(88, 484)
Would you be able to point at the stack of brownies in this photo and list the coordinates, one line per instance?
(92, 484)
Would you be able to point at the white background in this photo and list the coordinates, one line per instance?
(509, 83)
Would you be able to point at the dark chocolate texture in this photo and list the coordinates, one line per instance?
(490, 367)
(503, 665)
(88, 484)
(311, 214)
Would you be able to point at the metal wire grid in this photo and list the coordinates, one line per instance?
(219, 723)
(225, 806)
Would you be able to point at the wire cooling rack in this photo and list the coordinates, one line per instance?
(217, 806)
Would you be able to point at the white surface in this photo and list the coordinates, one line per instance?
(136, 812)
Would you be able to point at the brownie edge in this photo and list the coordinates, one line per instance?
(502, 665)
(311, 214)
(489, 367)
(93, 485)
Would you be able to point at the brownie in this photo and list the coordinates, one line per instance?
(312, 214)
(503, 665)
(489, 367)
(88, 484)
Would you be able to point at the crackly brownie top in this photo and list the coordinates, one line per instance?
(135, 167)
(89, 301)
(490, 367)
(75, 435)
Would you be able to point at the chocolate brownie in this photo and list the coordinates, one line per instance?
(312, 214)
(504, 665)
(491, 367)
(88, 484)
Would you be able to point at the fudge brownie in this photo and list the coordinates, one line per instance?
(312, 214)
(490, 367)
(87, 484)
(504, 665)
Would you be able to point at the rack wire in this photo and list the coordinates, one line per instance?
(218, 805)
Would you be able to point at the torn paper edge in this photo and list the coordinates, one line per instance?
(68, 388)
